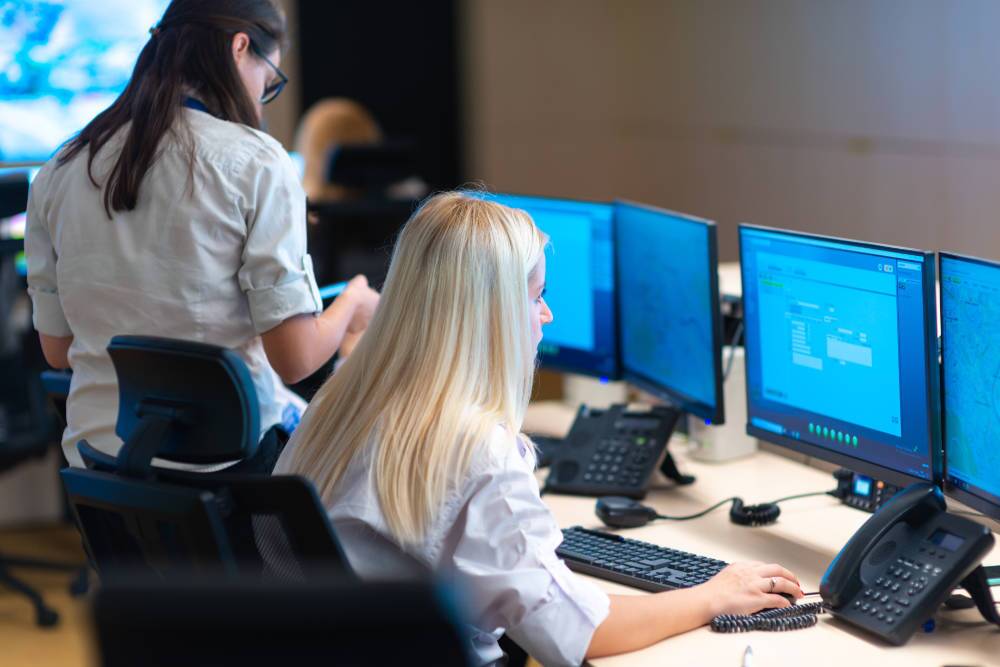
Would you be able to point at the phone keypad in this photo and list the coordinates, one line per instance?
(893, 592)
(621, 460)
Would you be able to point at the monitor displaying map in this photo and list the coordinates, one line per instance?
(970, 306)
(668, 307)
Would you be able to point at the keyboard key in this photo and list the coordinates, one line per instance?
(570, 554)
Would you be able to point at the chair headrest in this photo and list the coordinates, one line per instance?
(206, 391)
(371, 166)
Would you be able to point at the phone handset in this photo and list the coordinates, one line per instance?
(912, 505)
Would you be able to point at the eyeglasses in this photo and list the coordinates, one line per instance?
(273, 89)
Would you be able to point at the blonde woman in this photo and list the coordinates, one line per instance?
(415, 447)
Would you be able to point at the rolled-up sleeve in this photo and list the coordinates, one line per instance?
(276, 273)
(506, 560)
(47, 311)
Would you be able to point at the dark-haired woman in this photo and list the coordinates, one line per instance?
(172, 214)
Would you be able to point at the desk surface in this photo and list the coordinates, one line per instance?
(805, 539)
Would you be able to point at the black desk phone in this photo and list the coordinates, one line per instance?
(614, 452)
(897, 570)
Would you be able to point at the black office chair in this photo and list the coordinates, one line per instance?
(248, 622)
(192, 403)
(355, 235)
(27, 429)
(273, 527)
(56, 385)
(372, 169)
(28, 434)
(180, 401)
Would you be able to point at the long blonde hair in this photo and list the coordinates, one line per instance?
(447, 358)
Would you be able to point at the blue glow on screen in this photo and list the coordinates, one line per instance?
(665, 273)
(580, 282)
(836, 347)
(61, 63)
(970, 302)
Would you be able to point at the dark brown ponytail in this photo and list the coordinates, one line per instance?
(189, 50)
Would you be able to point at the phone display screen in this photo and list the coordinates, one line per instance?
(946, 540)
(862, 486)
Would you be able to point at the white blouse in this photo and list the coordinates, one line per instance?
(495, 540)
(217, 257)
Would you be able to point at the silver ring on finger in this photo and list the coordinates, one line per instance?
(771, 589)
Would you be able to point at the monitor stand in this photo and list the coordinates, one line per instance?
(668, 467)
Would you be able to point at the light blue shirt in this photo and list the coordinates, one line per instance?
(217, 256)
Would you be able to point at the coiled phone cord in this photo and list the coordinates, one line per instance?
(782, 619)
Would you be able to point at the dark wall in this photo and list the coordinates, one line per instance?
(399, 59)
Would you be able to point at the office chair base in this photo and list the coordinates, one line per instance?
(45, 616)
(81, 582)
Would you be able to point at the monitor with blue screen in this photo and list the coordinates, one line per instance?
(668, 307)
(580, 283)
(970, 353)
(841, 352)
(61, 63)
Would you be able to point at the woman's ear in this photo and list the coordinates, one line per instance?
(241, 46)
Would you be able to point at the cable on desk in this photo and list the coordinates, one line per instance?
(619, 512)
(747, 515)
(737, 336)
(795, 617)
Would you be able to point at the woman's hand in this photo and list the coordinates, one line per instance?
(300, 345)
(743, 588)
(364, 300)
(635, 621)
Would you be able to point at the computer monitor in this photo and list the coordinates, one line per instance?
(970, 372)
(580, 283)
(63, 63)
(841, 352)
(668, 307)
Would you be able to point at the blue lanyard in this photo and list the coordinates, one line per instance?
(197, 105)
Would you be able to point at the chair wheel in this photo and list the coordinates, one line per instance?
(80, 584)
(47, 618)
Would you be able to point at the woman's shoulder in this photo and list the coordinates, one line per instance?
(502, 451)
(236, 143)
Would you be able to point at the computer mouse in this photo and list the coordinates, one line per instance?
(620, 512)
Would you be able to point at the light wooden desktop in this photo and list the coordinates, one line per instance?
(805, 539)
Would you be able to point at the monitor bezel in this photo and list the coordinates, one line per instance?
(715, 414)
(932, 375)
(967, 497)
(546, 362)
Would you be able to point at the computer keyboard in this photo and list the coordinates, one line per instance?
(632, 562)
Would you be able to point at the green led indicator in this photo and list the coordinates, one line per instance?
(826, 432)
(812, 427)
(854, 441)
